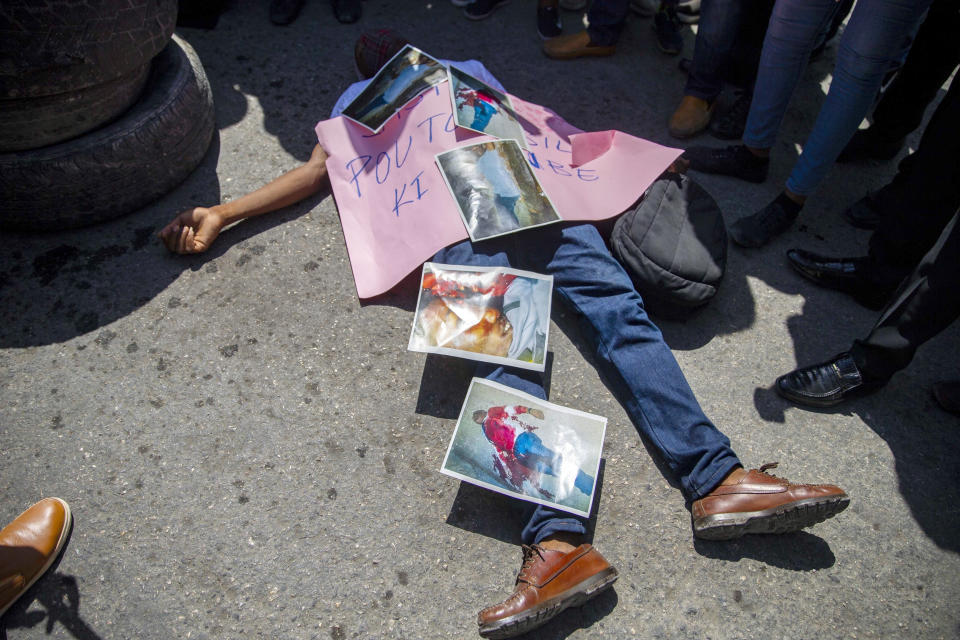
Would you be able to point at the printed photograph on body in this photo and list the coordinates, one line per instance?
(479, 107)
(491, 314)
(408, 74)
(495, 189)
(513, 443)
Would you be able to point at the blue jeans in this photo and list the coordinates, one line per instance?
(629, 350)
(875, 36)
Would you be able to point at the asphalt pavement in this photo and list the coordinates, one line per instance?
(251, 452)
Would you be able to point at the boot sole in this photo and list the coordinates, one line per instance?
(786, 518)
(540, 614)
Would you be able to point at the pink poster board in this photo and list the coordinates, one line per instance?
(396, 210)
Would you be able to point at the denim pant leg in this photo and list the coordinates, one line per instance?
(606, 18)
(872, 40)
(717, 32)
(636, 362)
(794, 28)
(543, 521)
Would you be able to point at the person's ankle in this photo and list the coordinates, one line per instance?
(562, 541)
(733, 476)
(795, 197)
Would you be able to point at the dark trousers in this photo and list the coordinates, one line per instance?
(933, 57)
(922, 197)
(727, 48)
(924, 305)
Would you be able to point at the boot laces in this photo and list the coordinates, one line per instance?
(772, 465)
(531, 553)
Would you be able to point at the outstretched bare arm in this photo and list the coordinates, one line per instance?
(194, 230)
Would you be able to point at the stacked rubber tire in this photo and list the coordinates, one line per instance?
(102, 110)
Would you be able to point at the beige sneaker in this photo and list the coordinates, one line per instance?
(691, 117)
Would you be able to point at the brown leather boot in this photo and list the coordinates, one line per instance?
(29, 545)
(757, 502)
(691, 117)
(549, 582)
(574, 45)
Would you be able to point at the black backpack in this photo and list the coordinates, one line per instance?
(673, 244)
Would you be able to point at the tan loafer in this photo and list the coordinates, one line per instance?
(757, 502)
(29, 545)
(691, 117)
(574, 45)
(549, 582)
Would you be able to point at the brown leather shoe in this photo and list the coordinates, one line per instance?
(691, 117)
(574, 45)
(29, 545)
(549, 582)
(757, 502)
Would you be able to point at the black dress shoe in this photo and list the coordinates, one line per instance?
(826, 384)
(841, 274)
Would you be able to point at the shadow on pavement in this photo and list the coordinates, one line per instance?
(59, 596)
(925, 453)
(57, 287)
(800, 551)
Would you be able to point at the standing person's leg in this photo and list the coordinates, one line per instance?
(793, 30)
(922, 197)
(792, 33)
(909, 214)
(873, 37)
(741, 70)
(925, 304)
(667, 27)
(606, 18)
(716, 34)
(933, 57)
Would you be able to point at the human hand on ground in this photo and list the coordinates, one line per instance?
(193, 231)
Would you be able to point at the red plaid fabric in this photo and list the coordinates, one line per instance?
(375, 48)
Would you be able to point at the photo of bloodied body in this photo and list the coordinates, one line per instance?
(495, 189)
(480, 107)
(407, 75)
(518, 445)
(491, 314)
